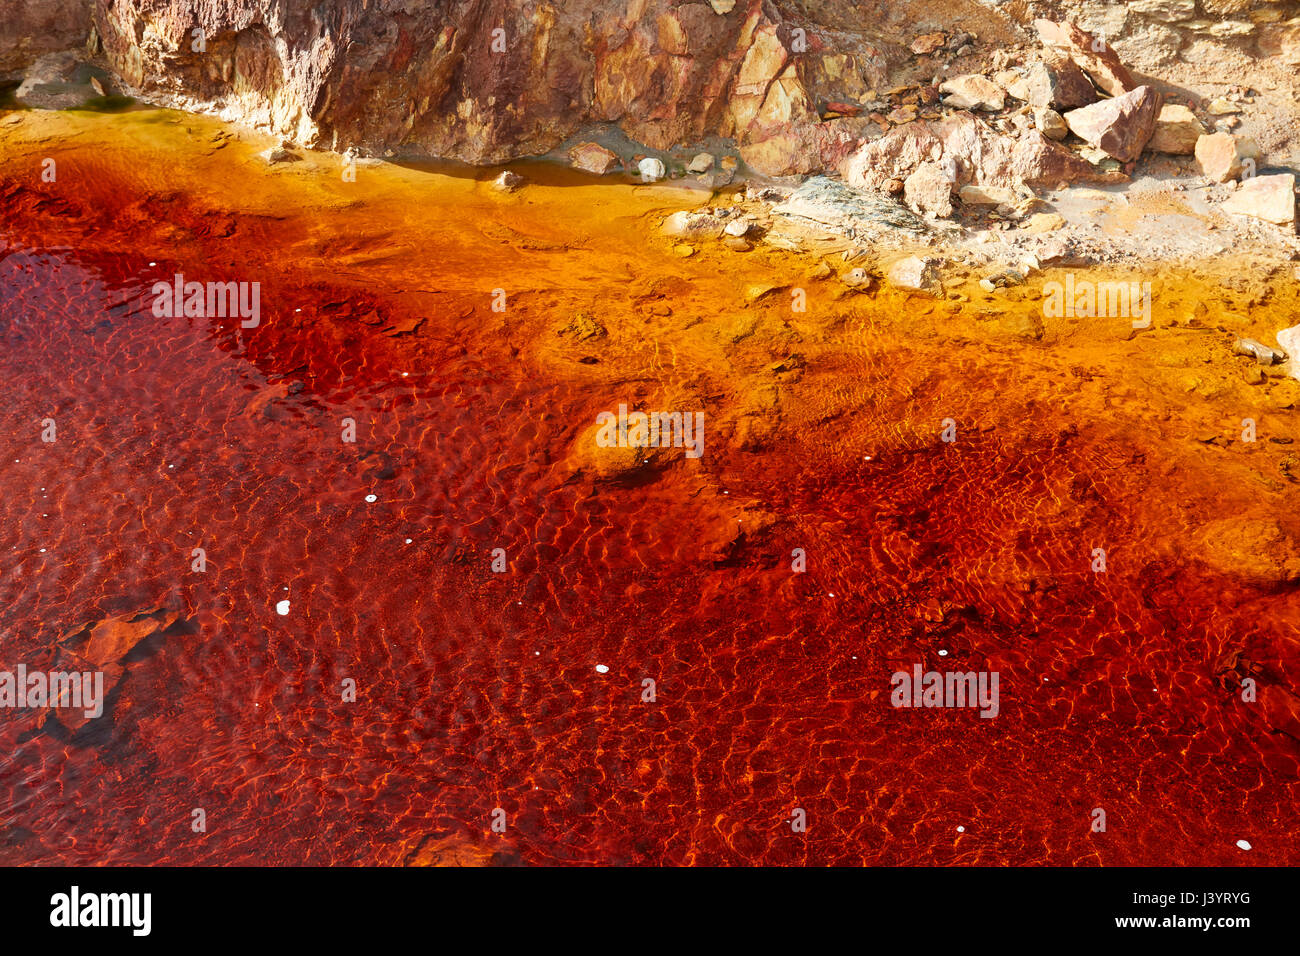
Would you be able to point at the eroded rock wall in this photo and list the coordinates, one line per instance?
(490, 80)
(487, 80)
(31, 28)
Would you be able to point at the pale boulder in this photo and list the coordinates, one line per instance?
(973, 92)
(1289, 339)
(1270, 198)
(593, 158)
(1222, 156)
(1121, 126)
(1092, 54)
(1177, 130)
(928, 190)
(916, 272)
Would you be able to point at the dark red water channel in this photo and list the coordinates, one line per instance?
(479, 691)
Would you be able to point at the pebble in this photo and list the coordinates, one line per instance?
(282, 608)
(372, 498)
(602, 668)
(856, 278)
(1243, 845)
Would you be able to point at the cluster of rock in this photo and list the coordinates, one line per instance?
(709, 170)
(988, 141)
(487, 81)
(798, 86)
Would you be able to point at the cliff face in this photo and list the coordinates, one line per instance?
(30, 28)
(489, 80)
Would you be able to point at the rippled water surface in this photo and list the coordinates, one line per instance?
(478, 690)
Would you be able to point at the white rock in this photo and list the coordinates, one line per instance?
(973, 91)
(651, 169)
(602, 668)
(916, 272)
(282, 608)
(1289, 339)
(1271, 198)
(1243, 845)
(692, 225)
(507, 182)
(737, 227)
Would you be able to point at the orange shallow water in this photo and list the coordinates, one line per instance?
(479, 690)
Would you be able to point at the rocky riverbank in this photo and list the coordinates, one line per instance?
(1143, 131)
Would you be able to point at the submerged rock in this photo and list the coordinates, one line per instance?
(582, 326)
(1263, 354)
(1261, 551)
(917, 272)
(507, 182)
